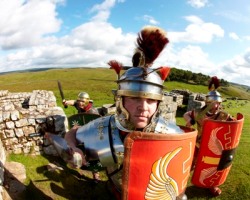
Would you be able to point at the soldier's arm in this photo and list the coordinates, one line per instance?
(70, 137)
(189, 119)
(69, 102)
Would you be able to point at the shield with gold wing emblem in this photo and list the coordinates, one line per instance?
(218, 144)
(81, 119)
(157, 166)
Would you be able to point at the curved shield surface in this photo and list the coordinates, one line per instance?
(218, 143)
(81, 119)
(157, 166)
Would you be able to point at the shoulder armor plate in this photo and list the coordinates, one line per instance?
(102, 141)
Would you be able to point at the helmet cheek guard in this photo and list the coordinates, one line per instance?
(122, 116)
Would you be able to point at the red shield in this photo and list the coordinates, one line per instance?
(157, 166)
(218, 143)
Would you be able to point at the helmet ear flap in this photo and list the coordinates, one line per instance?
(122, 114)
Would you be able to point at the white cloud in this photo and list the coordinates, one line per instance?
(103, 10)
(84, 46)
(192, 58)
(198, 3)
(247, 37)
(150, 20)
(234, 36)
(235, 16)
(238, 68)
(24, 24)
(194, 19)
(197, 32)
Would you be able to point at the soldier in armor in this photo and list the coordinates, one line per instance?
(212, 110)
(140, 91)
(83, 104)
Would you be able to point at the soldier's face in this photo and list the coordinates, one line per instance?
(215, 107)
(82, 103)
(140, 110)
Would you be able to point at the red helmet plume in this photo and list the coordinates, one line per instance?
(150, 43)
(117, 66)
(214, 83)
(164, 72)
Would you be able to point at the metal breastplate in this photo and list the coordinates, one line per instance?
(162, 126)
(101, 141)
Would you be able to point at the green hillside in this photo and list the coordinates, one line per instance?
(97, 82)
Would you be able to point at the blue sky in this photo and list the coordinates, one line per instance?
(206, 36)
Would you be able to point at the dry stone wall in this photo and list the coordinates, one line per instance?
(182, 96)
(196, 101)
(24, 118)
(2, 162)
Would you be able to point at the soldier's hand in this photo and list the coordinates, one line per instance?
(64, 102)
(78, 158)
(188, 124)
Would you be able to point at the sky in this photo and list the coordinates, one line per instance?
(211, 37)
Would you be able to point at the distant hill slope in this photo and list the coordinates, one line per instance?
(98, 82)
(236, 91)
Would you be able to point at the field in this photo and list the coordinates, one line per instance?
(68, 183)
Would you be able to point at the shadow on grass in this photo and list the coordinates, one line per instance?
(194, 192)
(18, 191)
(32, 192)
(72, 184)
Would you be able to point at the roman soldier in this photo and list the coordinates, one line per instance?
(137, 145)
(83, 104)
(218, 137)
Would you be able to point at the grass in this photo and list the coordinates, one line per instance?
(68, 183)
(43, 184)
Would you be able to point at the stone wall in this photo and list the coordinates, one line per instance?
(168, 107)
(182, 96)
(24, 118)
(2, 162)
(175, 97)
(196, 101)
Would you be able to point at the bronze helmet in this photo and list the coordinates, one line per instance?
(83, 97)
